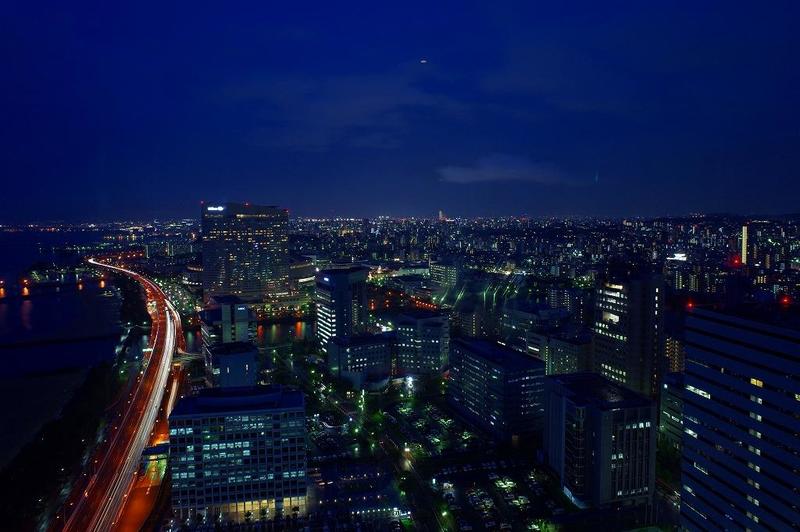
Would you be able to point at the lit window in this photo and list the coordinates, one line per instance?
(756, 382)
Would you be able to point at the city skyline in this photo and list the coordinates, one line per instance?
(530, 109)
(450, 266)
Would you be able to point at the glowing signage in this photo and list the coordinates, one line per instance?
(215, 209)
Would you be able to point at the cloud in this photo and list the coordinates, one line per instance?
(361, 111)
(500, 167)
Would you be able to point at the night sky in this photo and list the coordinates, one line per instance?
(396, 108)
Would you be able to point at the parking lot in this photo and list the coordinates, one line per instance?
(495, 494)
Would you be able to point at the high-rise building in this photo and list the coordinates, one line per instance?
(341, 298)
(245, 250)
(670, 418)
(741, 422)
(423, 342)
(238, 454)
(365, 361)
(232, 364)
(628, 339)
(497, 388)
(744, 244)
(600, 439)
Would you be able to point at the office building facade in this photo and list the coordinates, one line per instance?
(245, 250)
(238, 454)
(226, 319)
(444, 274)
(365, 361)
(600, 439)
(562, 352)
(741, 442)
(423, 342)
(628, 333)
(496, 388)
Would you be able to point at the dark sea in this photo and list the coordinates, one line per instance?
(49, 338)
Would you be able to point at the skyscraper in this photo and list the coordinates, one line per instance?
(741, 441)
(238, 454)
(628, 339)
(600, 439)
(245, 250)
(744, 244)
(341, 298)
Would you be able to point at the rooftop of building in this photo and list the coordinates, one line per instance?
(232, 208)
(355, 270)
(344, 269)
(775, 318)
(232, 348)
(363, 339)
(595, 389)
(225, 299)
(497, 353)
(212, 401)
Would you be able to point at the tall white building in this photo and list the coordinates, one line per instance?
(341, 299)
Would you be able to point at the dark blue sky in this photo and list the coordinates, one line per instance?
(636, 108)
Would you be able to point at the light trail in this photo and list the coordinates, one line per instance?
(102, 501)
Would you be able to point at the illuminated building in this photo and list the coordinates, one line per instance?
(245, 250)
(365, 361)
(444, 274)
(628, 344)
(423, 342)
(744, 244)
(675, 353)
(741, 442)
(341, 298)
(238, 454)
(600, 439)
(496, 388)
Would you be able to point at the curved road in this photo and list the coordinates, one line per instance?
(98, 503)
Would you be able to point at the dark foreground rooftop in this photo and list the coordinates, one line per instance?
(595, 389)
(238, 399)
